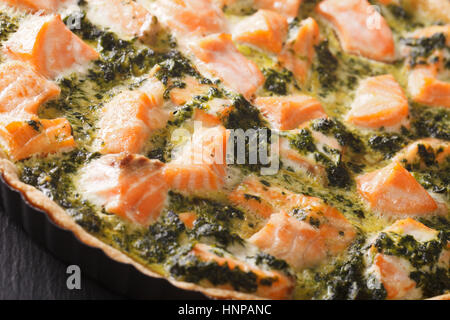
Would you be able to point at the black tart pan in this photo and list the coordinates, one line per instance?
(121, 278)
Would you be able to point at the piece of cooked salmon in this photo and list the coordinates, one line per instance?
(127, 121)
(23, 139)
(430, 31)
(424, 81)
(307, 240)
(288, 7)
(47, 6)
(188, 219)
(438, 149)
(207, 119)
(426, 88)
(220, 57)
(265, 29)
(299, 50)
(190, 88)
(380, 102)
(261, 198)
(289, 112)
(360, 28)
(191, 18)
(23, 91)
(279, 286)
(130, 186)
(199, 164)
(300, 159)
(392, 191)
(124, 17)
(394, 272)
(48, 45)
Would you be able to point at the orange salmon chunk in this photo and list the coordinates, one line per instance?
(388, 2)
(130, 186)
(299, 162)
(440, 150)
(304, 160)
(127, 121)
(260, 199)
(424, 82)
(22, 90)
(265, 30)
(425, 87)
(413, 228)
(289, 8)
(432, 30)
(279, 287)
(360, 28)
(379, 103)
(220, 57)
(393, 191)
(188, 219)
(48, 45)
(190, 17)
(199, 166)
(305, 241)
(299, 51)
(207, 119)
(394, 271)
(190, 89)
(23, 139)
(47, 6)
(124, 17)
(394, 274)
(288, 113)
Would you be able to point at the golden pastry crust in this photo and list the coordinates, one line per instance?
(443, 297)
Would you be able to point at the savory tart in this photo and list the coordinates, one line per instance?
(241, 148)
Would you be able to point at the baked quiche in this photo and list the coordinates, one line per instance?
(241, 148)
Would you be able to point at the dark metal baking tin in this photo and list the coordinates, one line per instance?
(121, 278)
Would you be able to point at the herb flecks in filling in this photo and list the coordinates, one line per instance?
(165, 245)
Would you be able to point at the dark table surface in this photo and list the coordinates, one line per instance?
(27, 271)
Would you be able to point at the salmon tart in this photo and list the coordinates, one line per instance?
(246, 149)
